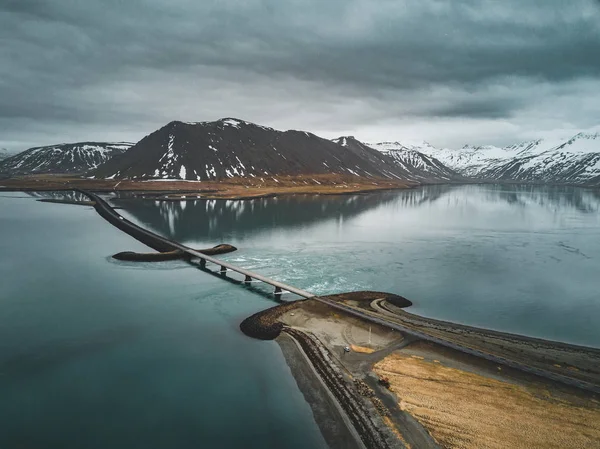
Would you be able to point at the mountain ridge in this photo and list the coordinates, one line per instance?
(416, 165)
(574, 160)
(68, 158)
(234, 148)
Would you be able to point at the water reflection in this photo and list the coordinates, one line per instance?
(582, 200)
(185, 220)
(214, 219)
(62, 195)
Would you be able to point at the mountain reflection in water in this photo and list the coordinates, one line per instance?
(214, 219)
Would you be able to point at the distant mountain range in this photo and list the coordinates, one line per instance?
(73, 158)
(3, 154)
(575, 160)
(232, 148)
(416, 166)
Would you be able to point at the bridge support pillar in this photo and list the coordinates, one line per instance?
(223, 270)
(278, 291)
(248, 279)
(202, 263)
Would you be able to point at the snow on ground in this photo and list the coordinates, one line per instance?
(232, 122)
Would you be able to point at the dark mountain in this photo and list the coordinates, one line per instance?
(230, 148)
(62, 158)
(415, 166)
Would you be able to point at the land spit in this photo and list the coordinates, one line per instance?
(171, 255)
(440, 397)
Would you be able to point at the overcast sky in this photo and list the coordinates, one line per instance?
(447, 71)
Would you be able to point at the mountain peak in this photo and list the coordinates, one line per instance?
(413, 145)
(344, 140)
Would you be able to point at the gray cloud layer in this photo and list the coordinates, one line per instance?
(449, 71)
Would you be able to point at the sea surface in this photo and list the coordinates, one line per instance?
(96, 353)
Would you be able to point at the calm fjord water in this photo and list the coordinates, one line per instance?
(96, 353)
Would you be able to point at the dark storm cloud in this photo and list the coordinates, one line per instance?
(65, 63)
(500, 108)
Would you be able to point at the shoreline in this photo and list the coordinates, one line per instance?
(231, 189)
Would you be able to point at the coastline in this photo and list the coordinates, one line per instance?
(230, 189)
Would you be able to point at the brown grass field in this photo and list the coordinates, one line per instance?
(234, 188)
(469, 411)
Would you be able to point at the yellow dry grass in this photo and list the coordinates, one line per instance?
(232, 188)
(362, 349)
(468, 411)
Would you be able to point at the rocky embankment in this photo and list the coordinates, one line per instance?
(131, 256)
(367, 422)
(265, 325)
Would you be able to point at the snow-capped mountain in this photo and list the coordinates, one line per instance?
(229, 148)
(364, 151)
(3, 154)
(62, 158)
(575, 161)
(568, 161)
(413, 157)
(471, 160)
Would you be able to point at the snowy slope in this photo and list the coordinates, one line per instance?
(62, 158)
(413, 157)
(567, 161)
(575, 161)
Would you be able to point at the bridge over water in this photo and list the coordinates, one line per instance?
(162, 244)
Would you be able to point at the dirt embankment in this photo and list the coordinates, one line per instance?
(265, 325)
(171, 255)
